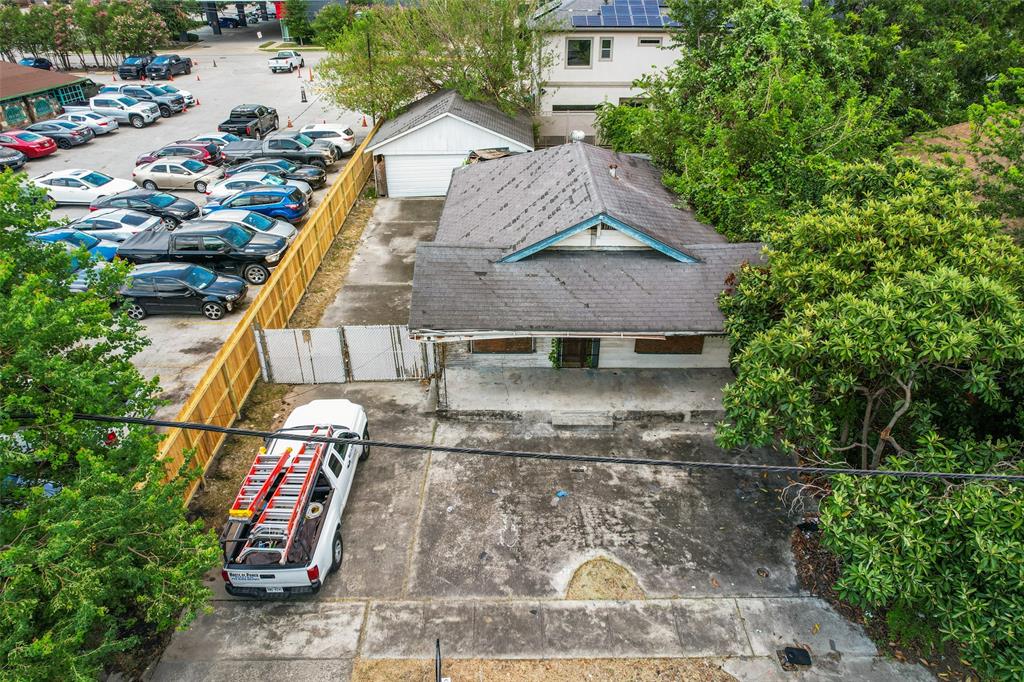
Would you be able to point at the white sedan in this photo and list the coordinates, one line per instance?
(341, 135)
(98, 123)
(255, 221)
(236, 183)
(79, 186)
(117, 224)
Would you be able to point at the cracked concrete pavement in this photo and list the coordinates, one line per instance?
(479, 552)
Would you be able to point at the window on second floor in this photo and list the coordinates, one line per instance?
(649, 42)
(606, 50)
(578, 51)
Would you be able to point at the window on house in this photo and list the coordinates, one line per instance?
(574, 107)
(673, 345)
(633, 101)
(649, 42)
(516, 345)
(606, 50)
(577, 51)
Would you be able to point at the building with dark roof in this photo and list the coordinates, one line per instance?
(29, 95)
(416, 150)
(575, 253)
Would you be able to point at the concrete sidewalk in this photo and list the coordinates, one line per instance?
(683, 394)
(322, 639)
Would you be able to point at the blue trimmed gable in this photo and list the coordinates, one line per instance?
(607, 221)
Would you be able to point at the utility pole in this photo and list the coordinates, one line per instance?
(369, 61)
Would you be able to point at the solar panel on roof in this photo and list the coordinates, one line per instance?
(626, 13)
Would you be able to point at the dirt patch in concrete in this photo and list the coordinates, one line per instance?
(331, 274)
(602, 578)
(563, 670)
(265, 409)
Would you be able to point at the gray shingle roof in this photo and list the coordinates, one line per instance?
(518, 128)
(464, 289)
(517, 201)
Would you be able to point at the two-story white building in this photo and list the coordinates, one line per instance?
(595, 51)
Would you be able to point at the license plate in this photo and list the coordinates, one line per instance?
(275, 590)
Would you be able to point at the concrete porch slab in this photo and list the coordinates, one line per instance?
(687, 394)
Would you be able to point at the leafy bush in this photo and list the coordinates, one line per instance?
(950, 557)
(95, 551)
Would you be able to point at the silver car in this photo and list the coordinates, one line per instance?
(117, 224)
(253, 221)
(236, 183)
(175, 172)
(97, 123)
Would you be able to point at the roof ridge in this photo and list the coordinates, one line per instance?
(584, 160)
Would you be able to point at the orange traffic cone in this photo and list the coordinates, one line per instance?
(364, 121)
(170, 76)
(198, 78)
(197, 102)
(289, 122)
(115, 77)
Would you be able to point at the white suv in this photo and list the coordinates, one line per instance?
(342, 136)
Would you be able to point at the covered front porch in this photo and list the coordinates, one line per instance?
(583, 396)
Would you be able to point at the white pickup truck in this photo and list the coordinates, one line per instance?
(283, 533)
(122, 108)
(286, 60)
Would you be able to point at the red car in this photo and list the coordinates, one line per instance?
(207, 152)
(32, 145)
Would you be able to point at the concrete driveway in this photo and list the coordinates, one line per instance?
(378, 287)
(479, 552)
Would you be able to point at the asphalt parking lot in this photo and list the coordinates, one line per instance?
(183, 345)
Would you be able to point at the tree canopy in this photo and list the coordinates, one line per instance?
(393, 55)
(95, 551)
(886, 328)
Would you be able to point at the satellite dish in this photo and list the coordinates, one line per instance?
(577, 135)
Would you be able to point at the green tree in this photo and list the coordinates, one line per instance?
(997, 145)
(744, 119)
(330, 22)
(296, 19)
(932, 57)
(95, 551)
(393, 55)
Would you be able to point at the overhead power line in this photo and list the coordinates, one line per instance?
(356, 439)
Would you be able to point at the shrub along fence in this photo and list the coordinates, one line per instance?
(221, 392)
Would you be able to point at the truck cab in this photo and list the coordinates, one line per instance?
(283, 533)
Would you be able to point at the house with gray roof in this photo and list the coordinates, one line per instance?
(576, 256)
(416, 150)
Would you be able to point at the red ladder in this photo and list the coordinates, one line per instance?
(274, 530)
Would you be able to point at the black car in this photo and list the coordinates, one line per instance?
(134, 66)
(181, 288)
(154, 202)
(167, 65)
(11, 158)
(223, 247)
(250, 120)
(314, 175)
(65, 133)
(37, 63)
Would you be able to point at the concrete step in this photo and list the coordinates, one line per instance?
(574, 421)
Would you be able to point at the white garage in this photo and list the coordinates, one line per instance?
(416, 151)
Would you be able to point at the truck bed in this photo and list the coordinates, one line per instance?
(146, 243)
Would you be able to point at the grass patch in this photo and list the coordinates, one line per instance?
(601, 578)
(267, 44)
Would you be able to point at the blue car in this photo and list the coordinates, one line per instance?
(98, 248)
(37, 63)
(283, 202)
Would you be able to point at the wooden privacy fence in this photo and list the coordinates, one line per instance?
(233, 372)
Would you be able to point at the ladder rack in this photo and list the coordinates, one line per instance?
(288, 480)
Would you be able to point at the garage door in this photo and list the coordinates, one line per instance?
(426, 175)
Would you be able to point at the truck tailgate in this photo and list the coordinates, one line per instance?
(268, 577)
